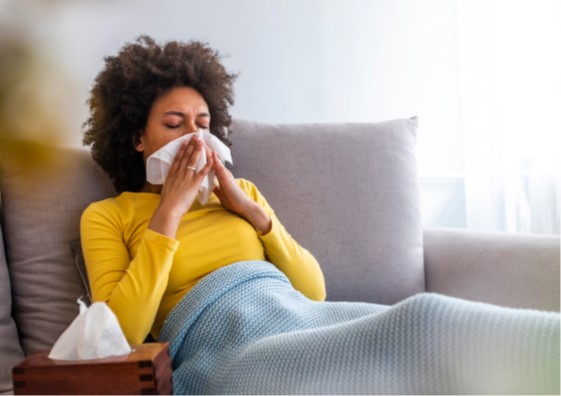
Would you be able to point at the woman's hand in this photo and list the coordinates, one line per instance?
(180, 188)
(234, 199)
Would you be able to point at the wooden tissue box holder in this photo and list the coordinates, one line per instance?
(144, 371)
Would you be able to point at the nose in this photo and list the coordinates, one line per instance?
(190, 125)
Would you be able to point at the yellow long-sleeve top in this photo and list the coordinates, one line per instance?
(142, 274)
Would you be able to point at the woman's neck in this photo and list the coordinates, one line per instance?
(151, 188)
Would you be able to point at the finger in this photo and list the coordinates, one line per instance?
(220, 168)
(184, 152)
(176, 164)
(194, 145)
(189, 158)
(209, 151)
(208, 166)
(193, 156)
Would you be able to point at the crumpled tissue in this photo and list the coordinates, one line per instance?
(159, 163)
(94, 334)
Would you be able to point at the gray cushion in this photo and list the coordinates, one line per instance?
(10, 349)
(42, 209)
(514, 270)
(348, 193)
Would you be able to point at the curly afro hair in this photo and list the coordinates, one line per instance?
(125, 90)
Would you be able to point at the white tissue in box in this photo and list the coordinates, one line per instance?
(94, 334)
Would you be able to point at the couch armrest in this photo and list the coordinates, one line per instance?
(512, 270)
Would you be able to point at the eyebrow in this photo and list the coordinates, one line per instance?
(181, 114)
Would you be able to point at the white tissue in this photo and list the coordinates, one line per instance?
(159, 163)
(94, 334)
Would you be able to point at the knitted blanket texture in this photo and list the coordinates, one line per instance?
(244, 329)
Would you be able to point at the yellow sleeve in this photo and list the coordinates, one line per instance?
(297, 263)
(133, 288)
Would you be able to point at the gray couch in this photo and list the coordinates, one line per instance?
(347, 192)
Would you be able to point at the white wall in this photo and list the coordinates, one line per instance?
(300, 61)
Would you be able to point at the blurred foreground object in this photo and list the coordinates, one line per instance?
(32, 91)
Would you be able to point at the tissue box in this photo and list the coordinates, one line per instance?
(144, 371)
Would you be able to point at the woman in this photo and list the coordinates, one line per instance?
(196, 276)
(146, 248)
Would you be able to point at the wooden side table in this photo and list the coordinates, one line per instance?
(144, 371)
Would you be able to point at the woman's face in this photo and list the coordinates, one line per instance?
(179, 111)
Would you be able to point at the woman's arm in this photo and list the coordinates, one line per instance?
(133, 288)
(298, 264)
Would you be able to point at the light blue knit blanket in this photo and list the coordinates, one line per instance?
(244, 330)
